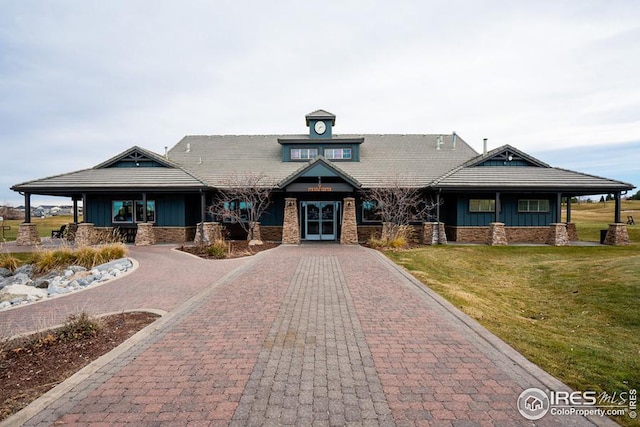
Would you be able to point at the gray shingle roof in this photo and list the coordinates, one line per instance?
(413, 160)
(528, 178)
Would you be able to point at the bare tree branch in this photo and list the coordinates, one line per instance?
(244, 198)
(397, 206)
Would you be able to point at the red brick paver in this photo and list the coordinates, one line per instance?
(306, 335)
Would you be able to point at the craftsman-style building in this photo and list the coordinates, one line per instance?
(319, 183)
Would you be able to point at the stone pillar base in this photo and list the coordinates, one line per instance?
(572, 232)
(557, 234)
(27, 234)
(145, 235)
(433, 233)
(497, 234)
(85, 234)
(349, 230)
(72, 229)
(617, 235)
(290, 227)
(208, 233)
(257, 235)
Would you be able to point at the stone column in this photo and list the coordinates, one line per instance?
(85, 234)
(557, 234)
(257, 235)
(145, 235)
(572, 232)
(430, 233)
(290, 227)
(208, 233)
(27, 234)
(497, 234)
(349, 232)
(617, 235)
(72, 229)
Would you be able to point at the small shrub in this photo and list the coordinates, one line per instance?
(9, 262)
(218, 250)
(110, 252)
(397, 243)
(79, 326)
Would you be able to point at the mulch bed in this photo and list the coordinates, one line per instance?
(31, 366)
(237, 249)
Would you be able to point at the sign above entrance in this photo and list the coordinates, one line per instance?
(333, 187)
(319, 189)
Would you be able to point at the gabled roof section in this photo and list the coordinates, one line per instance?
(319, 167)
(505, 155)
(136, 155)
(321, 115)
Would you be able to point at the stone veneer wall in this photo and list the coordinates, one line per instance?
(430, 233)
(497, 235)
(174, 234)
(27, 234)
(366, 232)
(349, 231)
(207, 233)
(617, 235)
(290, 227)
(557, 234)
(72, 228)
(467, 234)
(85, 234)
(527, 234)
(572, 232)
(145, 235)
(271, 233)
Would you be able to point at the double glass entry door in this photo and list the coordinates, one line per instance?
(320, 220)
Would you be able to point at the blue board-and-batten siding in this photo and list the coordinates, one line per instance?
(172, 210)
(509, 213)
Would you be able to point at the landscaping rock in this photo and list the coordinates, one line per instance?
(5, 272)
(19, 288)
(24, 269)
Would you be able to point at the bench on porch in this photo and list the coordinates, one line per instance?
(59, 234)
(630, 220)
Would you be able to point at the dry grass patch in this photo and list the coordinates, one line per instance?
(574, 311)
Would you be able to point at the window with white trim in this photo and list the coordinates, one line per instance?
(122, 211)
(482, 205)
(303, 153)
(533, 205)
(337, 153)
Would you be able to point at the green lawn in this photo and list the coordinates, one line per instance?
(45, 226)
(574, 311)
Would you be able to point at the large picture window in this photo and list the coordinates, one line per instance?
(369, 213)
(533, 205)
(303, 153)
(482, 205)
(123, 211)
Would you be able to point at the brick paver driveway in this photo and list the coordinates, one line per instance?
(303, 335)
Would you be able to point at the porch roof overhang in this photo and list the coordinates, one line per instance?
(527, 179)
(319, 167)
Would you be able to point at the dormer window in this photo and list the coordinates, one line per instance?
(337, 153)
(303, 153)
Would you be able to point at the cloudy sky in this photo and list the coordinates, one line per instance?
(83, 80)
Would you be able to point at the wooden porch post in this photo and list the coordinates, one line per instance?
(497, 207)
(618, 212)
(75, 209)
(27, 208)
(144, 207)
(558, 208)
(84, 207)
(568, 208)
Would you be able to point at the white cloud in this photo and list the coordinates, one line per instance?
(81, 81)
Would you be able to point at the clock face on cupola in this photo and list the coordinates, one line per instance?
(320, 124)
